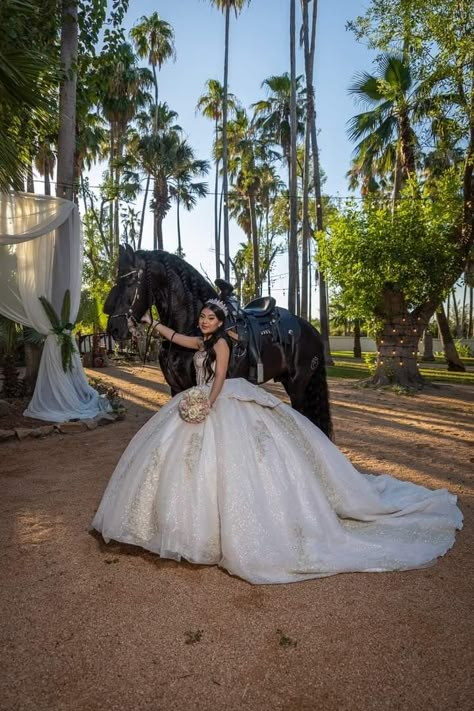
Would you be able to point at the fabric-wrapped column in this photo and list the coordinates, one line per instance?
(41, 256)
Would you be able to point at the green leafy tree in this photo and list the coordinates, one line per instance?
(395, 269)
(29, 73)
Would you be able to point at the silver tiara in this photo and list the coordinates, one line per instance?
(220, 304)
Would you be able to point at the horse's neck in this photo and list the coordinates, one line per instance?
(178, 318)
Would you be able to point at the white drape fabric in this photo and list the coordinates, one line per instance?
(41, 255)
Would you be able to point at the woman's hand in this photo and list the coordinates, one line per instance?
(146, 318)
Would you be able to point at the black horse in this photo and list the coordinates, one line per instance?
(291, 351)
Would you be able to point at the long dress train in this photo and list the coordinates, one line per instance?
(259, 490)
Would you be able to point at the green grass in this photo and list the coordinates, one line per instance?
(357, 370)
(438, 359)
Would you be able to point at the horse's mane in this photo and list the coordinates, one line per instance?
(196, 289)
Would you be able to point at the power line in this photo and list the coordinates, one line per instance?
(340, 198)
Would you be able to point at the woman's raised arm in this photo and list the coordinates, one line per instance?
(192, 342)
(187, 341)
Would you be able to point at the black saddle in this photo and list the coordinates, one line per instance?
(249, 326)
(261, 306)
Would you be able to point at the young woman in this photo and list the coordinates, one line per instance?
(259, 490)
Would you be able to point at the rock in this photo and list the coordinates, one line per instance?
(5, 408)
(23, 432)
(35, 432)
(105, 418)
(71, 427)
(6, 434)
(45, 430)
(90, 424)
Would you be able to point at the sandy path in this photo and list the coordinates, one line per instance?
(87, 626)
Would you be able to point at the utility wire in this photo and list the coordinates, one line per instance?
(375, 198)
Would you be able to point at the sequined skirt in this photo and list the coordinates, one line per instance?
(259, 490)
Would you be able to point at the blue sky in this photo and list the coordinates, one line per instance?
(259, 47)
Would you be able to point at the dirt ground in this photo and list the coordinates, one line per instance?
(87, 626)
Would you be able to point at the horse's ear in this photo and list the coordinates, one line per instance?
(126, 259)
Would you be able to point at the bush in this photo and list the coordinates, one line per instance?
(463, 349)
(370, 360)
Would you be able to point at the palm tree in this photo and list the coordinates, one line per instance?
(385, 131)
(293, 298)
(273, 117)
(211, 106)
(226, 6)
(154, 38)
(67, 100)
(45, 161)
(163, 117)
(125, 94)
(168, 158)
(309, 42)
(28, 88)
(248, 165)
(183, 188)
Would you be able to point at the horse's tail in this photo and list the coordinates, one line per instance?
(316, 401)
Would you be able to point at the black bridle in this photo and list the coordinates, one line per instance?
(129, 315)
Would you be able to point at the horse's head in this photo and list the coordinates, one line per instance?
(131, 296)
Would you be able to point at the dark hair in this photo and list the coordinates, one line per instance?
(209, 344)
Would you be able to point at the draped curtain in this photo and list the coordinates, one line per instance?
(41, 255)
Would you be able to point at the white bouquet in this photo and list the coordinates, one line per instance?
(194, 405)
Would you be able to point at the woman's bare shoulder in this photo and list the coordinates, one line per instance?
(222, 346)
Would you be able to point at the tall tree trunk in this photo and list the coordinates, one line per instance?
(217, 236)
(357, 343)
(255, 249)
(67, 100)
(397, 178)
(155, 82)
(178, 226)
(160, 198)
(142, 218)
(398, 344)
(292, 186)
(470, 331)
(306, 235)
(159, 232)
(309, 50)
(310, 283)
(30, 183)
(456, 314)
(225, 180)
(268, 247)
(47, 175)
(463, 310)
(298, 285)
(428, 355)
(449, 348)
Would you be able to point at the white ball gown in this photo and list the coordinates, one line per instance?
(259, 490)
